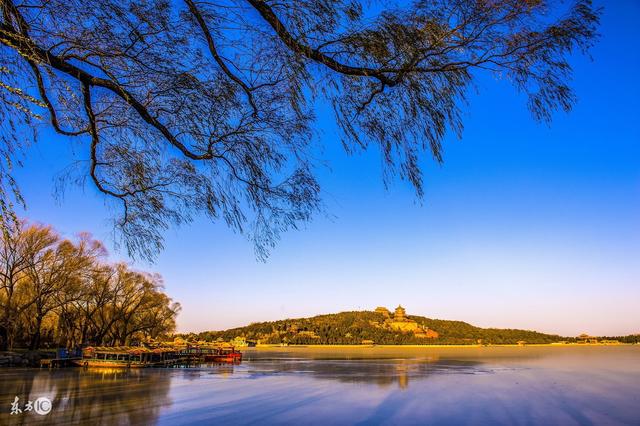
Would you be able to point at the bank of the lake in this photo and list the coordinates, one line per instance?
(541, 345)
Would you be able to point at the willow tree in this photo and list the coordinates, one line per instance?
(190, 107)
(56, 291)
(18, 245)
(55, 278)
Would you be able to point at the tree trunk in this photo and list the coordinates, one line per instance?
(4, 338)
(35, 339)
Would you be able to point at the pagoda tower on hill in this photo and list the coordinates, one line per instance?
(400, 314)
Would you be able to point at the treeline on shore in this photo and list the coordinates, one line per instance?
(631, 338)
(352, 328)
(57, 292)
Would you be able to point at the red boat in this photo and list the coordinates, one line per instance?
(227, 354)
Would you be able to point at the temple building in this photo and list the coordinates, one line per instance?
(402, 323)
(384, 311)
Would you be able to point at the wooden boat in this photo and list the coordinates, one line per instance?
(126, 357)
(224, 354)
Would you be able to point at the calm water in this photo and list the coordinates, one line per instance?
(483, 386)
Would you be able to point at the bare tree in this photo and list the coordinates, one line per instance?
(89, 318)
(61, 291)
(17, 246)
(55, 278)
(207, 107)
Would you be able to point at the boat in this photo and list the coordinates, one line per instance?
(126, 357)
(226, 354)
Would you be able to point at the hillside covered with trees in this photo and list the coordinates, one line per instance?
(352, 328)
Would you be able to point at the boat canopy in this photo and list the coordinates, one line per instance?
(130, 350)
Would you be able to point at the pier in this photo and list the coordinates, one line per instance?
(143, 357)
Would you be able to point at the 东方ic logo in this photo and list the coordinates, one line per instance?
(42, 405)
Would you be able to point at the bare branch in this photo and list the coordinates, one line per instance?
(212, 48)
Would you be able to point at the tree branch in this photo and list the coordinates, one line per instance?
(93, 129)
(268, 15)
(52, 112)
(29, 50)
(214, 52)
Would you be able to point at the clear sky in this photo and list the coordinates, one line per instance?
(524, 226)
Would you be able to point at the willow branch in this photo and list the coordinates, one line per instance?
(30, 50)
(214, 52)
(45, 98)
(93, 130)
(268, 15)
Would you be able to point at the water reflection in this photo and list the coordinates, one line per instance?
(382, 372)
(486, 386)
(79, 396)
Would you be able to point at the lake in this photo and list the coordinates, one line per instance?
(581, 385)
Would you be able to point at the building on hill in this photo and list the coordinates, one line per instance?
(384, 311)
(400, 314)
(401, 322)
(426, 333)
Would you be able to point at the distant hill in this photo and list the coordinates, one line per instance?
(352, 328)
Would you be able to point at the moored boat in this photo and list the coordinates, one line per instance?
(126, 357)
(226, 354)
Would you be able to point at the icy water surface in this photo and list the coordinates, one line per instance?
(591, 385)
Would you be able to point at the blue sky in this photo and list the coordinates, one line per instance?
(524, 225)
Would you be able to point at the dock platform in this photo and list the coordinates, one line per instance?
(58, 362)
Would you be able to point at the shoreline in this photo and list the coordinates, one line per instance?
(511, 345)
(31, 359)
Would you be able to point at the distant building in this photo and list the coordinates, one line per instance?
(239, 341)
(400, 314)
(585, 338)
(426, 333)
(400, 322)
(384, 311)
